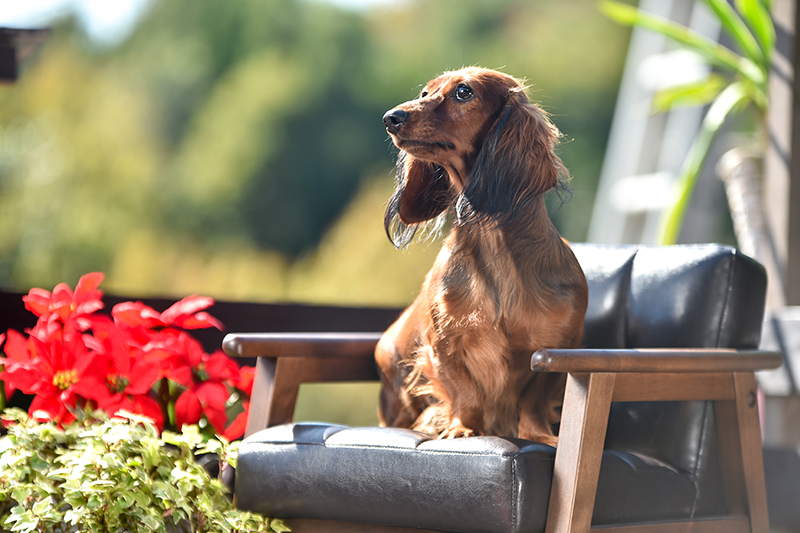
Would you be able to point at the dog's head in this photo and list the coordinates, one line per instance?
(473, 141)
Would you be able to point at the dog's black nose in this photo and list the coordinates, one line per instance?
(394, 120)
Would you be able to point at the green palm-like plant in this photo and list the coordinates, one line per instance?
(737, 81)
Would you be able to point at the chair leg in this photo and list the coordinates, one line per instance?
(584, 419)
(741, 453)
(275, 389)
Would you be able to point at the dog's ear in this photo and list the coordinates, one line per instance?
(516, 163)
(422, 194)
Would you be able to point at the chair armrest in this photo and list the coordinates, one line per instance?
(660, 360)
(336, 345)
(287, 360)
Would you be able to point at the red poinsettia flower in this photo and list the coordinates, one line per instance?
(130, 373)
(59, 369)
(63, 303)
(205, 377)
(75, 358)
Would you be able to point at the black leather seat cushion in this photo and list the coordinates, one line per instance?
(490, 484)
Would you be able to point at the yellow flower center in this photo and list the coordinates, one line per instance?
(64, 379)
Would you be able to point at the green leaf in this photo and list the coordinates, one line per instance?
(72, 517)
(278, 526)
(756, 14)
(713, 52)
(142, 499)
(152, 522)
(41, 506)
(737, 29)
(672, 218)
(20, 494)
(22, 519)
(691, 94)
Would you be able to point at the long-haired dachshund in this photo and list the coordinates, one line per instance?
(457, 361)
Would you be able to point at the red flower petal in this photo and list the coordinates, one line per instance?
(212, 395)
(180, 374)
(20, 377)
(245, 382)
(136, 314)
(38, 301)
(186, 306)
(143, 376)
(16, 347)
(91, 388)
(142, 405)
(220, 367)
(86, 289)
(236, 428)
(217, 419)
(185, 313)
(50, 409)
(188, 409)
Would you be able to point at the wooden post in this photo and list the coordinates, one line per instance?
(275, 388)
(740, 452)
(782, 163)
(577, 465)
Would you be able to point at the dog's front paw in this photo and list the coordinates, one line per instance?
(455, 430)
(550, 440)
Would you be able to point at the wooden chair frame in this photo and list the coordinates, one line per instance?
(595, 379)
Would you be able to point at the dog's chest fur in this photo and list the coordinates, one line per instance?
(483, 313)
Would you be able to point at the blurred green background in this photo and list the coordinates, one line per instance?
(236, 149)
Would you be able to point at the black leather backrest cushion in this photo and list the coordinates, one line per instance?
(608, 273)
(708, 296)
(677, 296)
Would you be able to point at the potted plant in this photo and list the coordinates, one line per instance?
(737, 81)
(123, 406)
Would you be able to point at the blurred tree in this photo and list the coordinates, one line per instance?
(216, 150)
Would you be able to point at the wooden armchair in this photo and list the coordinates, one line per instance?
(660, 428)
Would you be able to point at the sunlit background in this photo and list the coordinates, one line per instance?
(235, 149)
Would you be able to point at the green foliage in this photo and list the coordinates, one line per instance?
(113, 476)
(751, 30)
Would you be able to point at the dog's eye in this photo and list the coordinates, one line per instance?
(423, 94)
(464, 93)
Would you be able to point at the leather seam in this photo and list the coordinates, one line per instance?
(512, 456)
(514, 517)
(726, 305)
(432, 452)
(626, 332)
(695, 470)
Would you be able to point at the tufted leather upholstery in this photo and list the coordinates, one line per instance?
(660, 460)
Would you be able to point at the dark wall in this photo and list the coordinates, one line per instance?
(239, 317)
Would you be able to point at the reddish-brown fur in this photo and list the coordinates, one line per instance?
(457, 361)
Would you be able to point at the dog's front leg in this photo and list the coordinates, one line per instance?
(540, 407)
